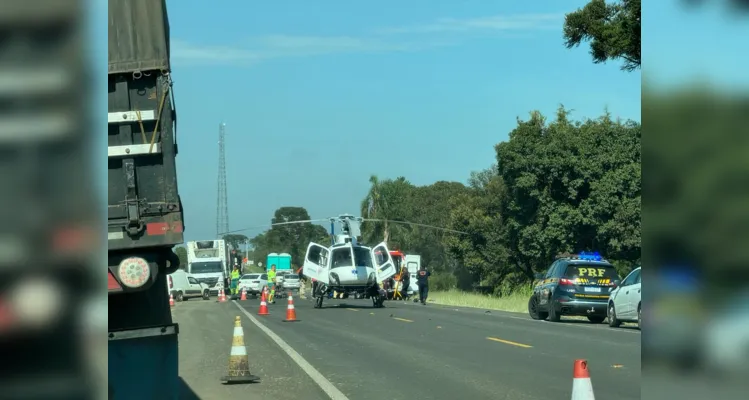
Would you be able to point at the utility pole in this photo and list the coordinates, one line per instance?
(222, 202)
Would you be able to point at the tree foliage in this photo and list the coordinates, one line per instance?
(289, 238)
(181, 252)
(557, 187)
(613, 30)
(235, 240)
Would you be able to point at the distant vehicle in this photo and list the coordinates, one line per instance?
(577, 285)
(253, 283)
(291, 281)
(209, 262)
(183, 286)
(624, 302)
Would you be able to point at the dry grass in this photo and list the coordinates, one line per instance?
(516, 302)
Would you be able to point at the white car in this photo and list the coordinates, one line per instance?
(253, 283)
(291, 281)
(624, 301)
(183, 286)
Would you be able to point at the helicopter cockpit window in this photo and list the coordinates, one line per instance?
(342, 257)
(363, 257)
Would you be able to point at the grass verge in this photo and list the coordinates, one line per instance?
(515, 302)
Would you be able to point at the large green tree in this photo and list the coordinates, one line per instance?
(613, 30)
(557, 187)
(387, 200)
(288, 235)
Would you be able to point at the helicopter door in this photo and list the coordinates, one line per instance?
(384, 265)
(316, 263)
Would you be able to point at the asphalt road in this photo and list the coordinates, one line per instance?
(403, 351)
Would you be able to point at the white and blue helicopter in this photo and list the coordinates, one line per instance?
(346, 266)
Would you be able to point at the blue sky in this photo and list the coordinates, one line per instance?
(317, 96)
(684, 45)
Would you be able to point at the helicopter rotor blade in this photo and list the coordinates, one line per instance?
(415, 224)
(272, 225)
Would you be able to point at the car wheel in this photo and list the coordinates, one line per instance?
(180, 297)
(553, 314)
(596, 319)
(206, 295)
(533, 307)
(639, 317)
(613, 321)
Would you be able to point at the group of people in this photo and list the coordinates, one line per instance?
(404, 278)
(236, 274)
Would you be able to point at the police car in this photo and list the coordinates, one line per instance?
(577, 285)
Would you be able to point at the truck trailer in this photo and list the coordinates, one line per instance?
(145, 214)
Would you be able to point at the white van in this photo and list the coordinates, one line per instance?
(184, 286)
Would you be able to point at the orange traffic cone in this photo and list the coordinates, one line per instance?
(244, 294)
(171, 300)
(239, 363)
(263, 306)
(582, 388)
(290, 311)
(221, 296)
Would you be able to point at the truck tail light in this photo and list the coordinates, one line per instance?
(112, 283)
(134, 272)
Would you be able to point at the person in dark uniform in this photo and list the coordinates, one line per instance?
(406, 279)
(422, 279)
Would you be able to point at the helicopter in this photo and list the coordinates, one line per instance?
(346, 266)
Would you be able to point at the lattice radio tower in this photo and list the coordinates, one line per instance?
(222, 206)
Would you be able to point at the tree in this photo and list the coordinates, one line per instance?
(235, 240)
(181, 252)
(557, 187)
(387, 201)
(288, 238)
(613, 31)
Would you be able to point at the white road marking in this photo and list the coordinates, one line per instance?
(316, 376)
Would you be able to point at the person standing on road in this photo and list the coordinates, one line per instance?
(235, 280)
(406, 279)
(422, 279)
(272, 284)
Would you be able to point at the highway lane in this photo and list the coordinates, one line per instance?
(410, 351)
(206, 329)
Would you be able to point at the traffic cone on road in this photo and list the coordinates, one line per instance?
(239, 363)
(244, 294)
(582, 387)
(221, 296)
(263, 306)
(290, 311)
(171, 300)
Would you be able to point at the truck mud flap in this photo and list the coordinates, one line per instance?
(144, 363)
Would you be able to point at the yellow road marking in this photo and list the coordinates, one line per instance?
(352, 309)
(402, 319)
(525, 346)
